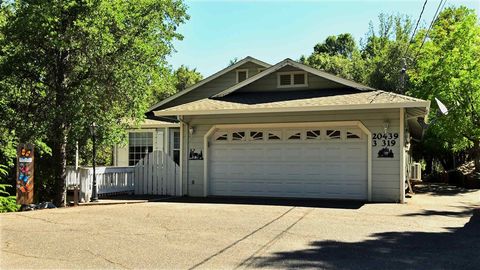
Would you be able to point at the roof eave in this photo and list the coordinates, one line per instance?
(416, 104)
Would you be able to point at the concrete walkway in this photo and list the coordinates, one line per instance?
(434, 230)
(125, 199)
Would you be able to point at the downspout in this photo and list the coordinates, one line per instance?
(184, 140)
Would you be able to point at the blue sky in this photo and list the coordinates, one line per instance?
(274, 30)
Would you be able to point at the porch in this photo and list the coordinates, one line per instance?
(155, 174)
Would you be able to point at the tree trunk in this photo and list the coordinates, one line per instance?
(429, 165)
(59, 152)
(476, 155)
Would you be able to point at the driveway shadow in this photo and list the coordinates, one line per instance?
(465, 212)
(456, 249)
(441, 189)
(336, 204)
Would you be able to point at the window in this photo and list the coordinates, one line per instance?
(274, 135)
(353, 134)
(221, 136)
(238, 136)
(256, 135)
(333, 134)
(242, 75)
(313, 134)
(176, 146)
(292, 79)
(294, 135)
(139, 145)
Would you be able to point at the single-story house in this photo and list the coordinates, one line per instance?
(289, 130)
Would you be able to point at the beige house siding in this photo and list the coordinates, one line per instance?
(385, 171)
(214, 87)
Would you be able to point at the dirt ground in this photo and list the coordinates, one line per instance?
(439, 228)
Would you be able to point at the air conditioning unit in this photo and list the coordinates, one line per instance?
(416, 171)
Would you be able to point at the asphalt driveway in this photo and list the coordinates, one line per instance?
(437, 229)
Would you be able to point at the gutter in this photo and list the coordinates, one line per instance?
(424, 104)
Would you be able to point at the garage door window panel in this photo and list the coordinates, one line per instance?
(275, 135)
(314, 134)
(334, 134)
(238, 136)
(354, 134)
(294, 135)
(221, 136)
(256, 135)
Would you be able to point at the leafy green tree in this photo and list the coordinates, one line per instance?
(66, 64)
(233, 61)
(448, 68)
(352, 68)
(385, 52)
(8, 138)
(176, 81)
(343, 44)
(377, 63)
(186, 77)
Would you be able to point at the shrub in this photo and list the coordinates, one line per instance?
(8, 203)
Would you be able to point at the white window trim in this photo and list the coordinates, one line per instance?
(241, 70)
(292, 73)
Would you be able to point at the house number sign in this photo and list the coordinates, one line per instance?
(386, 141)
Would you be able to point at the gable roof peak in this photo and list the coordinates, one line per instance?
(210, 78)
(288, 61)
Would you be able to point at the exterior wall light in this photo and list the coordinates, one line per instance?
(386, 124)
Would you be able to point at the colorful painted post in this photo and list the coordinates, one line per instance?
(25, 170)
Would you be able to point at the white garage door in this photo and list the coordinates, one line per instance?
(302, 163)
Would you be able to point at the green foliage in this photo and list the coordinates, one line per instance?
(448, 68)
(233, 61)
(343, 44)
(377, 63)
(7, 203)
(176, 81)
(186, 77)
(352, 68)
(66, 64)
(104, 155)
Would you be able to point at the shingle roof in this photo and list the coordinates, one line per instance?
(309, 100)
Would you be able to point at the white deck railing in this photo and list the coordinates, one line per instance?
(155, 174)
(109, 180)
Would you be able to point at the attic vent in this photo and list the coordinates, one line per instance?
(242, 75)
(285, 80)
(292, 79)
(299, 79)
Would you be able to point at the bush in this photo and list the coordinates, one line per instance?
(8, 203)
